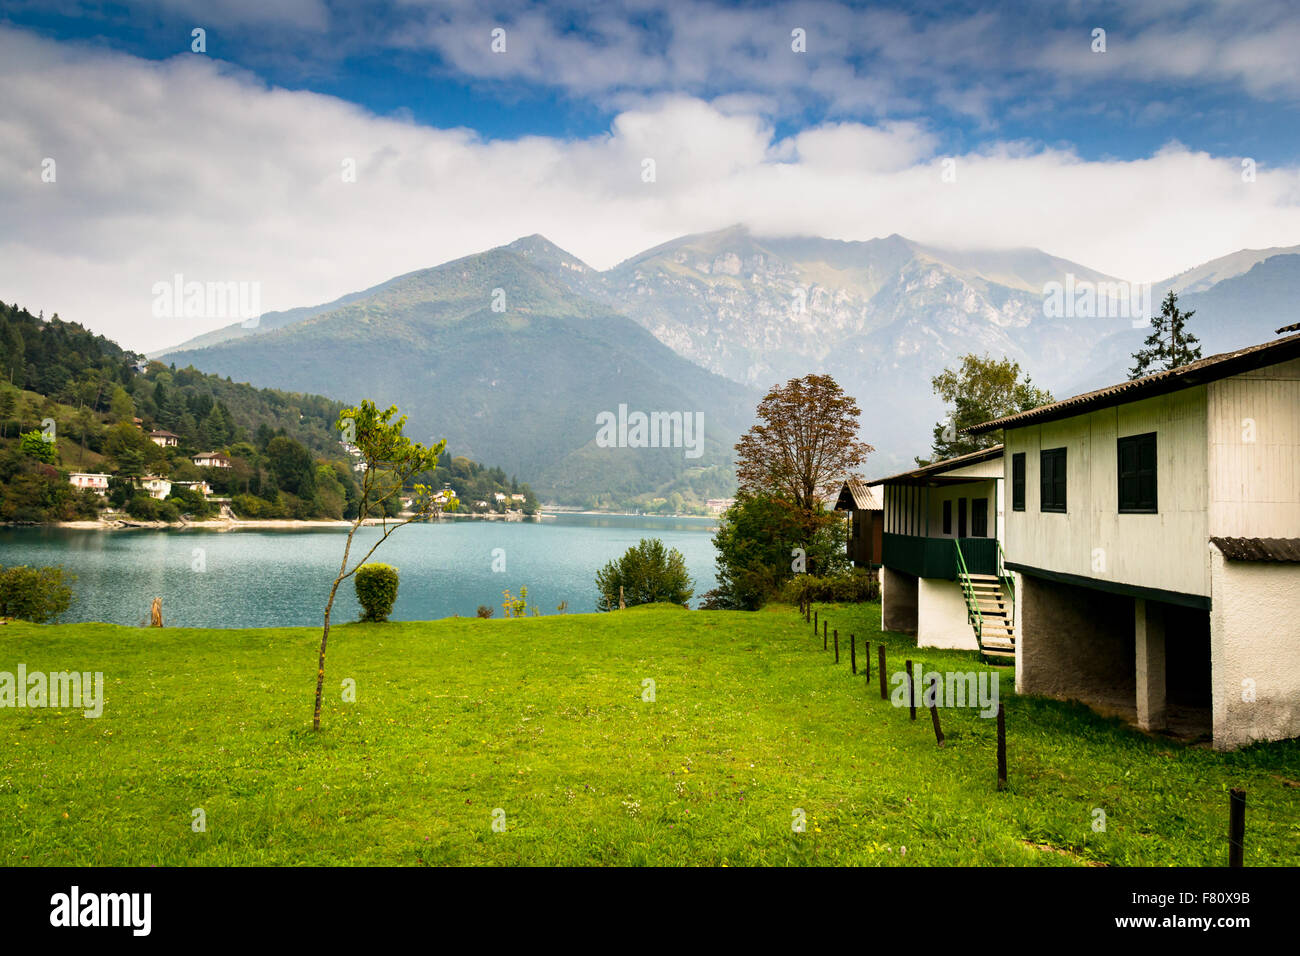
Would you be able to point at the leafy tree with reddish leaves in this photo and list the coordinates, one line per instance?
(802, 448)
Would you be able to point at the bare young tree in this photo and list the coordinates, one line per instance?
(389, 460)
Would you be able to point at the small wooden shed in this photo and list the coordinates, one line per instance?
(866, 526)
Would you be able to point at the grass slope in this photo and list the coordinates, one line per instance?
(543, 718)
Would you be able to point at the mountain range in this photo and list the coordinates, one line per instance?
(512, 353)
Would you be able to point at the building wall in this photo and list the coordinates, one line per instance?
(1254, 636)
(990, 489)
(941, 616)
(904, 504)
(1254, 453)
(1074, 643)
(1092, 539)
(864, 541)
(865, 538)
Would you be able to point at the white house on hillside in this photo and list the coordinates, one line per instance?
(941, 573)
(1154, 537)
(164, 439)
(211, 459)
(92, 480)
(157, 487)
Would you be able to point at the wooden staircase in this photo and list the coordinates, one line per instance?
(990, 610)
(994, 624)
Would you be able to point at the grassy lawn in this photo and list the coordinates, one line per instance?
(543, 718)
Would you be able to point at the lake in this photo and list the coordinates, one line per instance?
(266, 578)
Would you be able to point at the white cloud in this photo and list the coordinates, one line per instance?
(189, 166)
(857, 149)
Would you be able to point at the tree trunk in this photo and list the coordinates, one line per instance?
(325, 632)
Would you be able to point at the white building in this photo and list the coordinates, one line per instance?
(941, 569)
(211, 459)
(164, 439)
(1154, 538)
(88, 479)
(156, 486)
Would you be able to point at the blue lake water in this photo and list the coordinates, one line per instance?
(261, 578)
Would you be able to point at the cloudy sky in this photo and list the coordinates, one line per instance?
(229, 164)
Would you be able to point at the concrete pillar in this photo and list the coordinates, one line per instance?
(941, 616)
(1018, 580)
(1149, 641)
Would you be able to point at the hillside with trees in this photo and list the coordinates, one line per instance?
(75, 402)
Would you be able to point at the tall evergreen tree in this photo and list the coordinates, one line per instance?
(1170, 344)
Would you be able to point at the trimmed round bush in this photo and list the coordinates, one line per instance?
(376, 590)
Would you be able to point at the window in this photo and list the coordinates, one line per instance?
(961, 517)
(1137, 474)
(979, 517)
(1018, 481)
(947, 517)
(1051, 479)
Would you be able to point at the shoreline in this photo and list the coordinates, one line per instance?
(627, 514)
(226, 524)
(236, 524)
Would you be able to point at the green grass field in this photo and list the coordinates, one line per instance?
(543, 719)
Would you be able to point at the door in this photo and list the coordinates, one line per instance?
(961, 517)
(979, 518)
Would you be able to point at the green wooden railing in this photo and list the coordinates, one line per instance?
(935, 558)
(1008, 582)
(973, 615)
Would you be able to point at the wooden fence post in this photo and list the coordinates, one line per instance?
(853, 654)
(1237, 828)
(883, 694)
(1002, 748)
(866, 656)
(825, 625)
(911, 691)
(934, 711)
(837, 645)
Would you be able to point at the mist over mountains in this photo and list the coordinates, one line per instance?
(513, 353)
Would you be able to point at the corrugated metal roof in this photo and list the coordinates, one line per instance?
(1259, 549)
(1199, 372)
(856, 496)
(939, 467)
